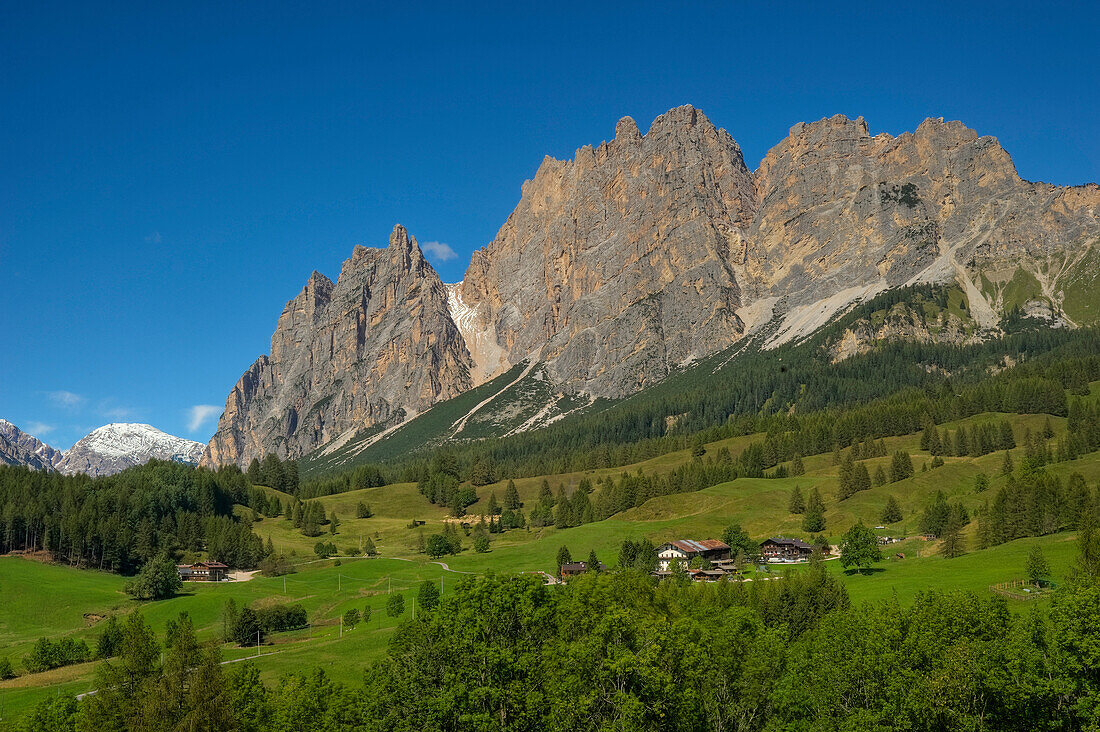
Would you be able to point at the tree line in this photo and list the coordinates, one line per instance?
(120, 522)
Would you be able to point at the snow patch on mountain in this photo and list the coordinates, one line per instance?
(114, 447)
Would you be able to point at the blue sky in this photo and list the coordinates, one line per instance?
(170, 177)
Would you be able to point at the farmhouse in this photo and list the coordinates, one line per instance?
(780, 549)
(574, 568)
(684, 550)
(203, 572)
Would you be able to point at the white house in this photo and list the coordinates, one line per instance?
(685, 550)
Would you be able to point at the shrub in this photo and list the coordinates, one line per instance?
(157, 580)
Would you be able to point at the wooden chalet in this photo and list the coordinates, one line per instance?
(574, 568)
(203, 572)
(684, 550)
(781, 549)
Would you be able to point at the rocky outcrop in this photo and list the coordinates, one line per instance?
(112, 448)
(650, 251)
(618, 265)
(19, 448)
(377, 345)
(842, 214)
(902, 323)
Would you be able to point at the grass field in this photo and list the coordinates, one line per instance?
(49, 600)
(50, 608)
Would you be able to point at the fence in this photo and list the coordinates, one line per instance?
(1028, 590)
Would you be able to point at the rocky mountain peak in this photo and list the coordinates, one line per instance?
(626, 130)
(20, 448)
(594, 266)
(114, 447)
(377, 345)
(644, 253)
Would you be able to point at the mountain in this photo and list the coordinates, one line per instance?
(19, 448)
(378, 345)
(114, 447)
(649, 252)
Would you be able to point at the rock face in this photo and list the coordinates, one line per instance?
(114, 447)
(378, 345)
(19, 448)
(842, 214)
(619, 265)
(647, 252)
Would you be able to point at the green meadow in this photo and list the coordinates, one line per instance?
(42, 599)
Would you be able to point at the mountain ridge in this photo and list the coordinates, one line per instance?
(647, 252)
(21, 448)
(114, 447)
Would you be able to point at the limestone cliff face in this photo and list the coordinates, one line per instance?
(377, 344)
(647, 252)
(616, 266)
(842, 214)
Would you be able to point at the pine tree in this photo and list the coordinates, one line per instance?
(494, 507)
(935, 443)
(796, 504)
(545, 496)
(564, 557)
(926, 435)
(901, 466)
(797, 468)
(593, 562)
(891, 514)
(1037, 567)
(861, 480)
(813, 520)
(1006, 466)
(846, 478)
(880, 476)
(563, 515)
(511, 497)
(953, 544)
(1048, 429)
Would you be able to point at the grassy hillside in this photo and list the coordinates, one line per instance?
(44, 599)
(325, 590)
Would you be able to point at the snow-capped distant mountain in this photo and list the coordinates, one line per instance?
(19, 448)
(115, 447)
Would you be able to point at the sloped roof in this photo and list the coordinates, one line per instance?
(783, 541)
(691, 546)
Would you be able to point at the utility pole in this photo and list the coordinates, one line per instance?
(257, 644)
(339, 583)
(341, 626)
(284, 584)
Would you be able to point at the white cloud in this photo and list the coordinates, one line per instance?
(153, 238)
(65, 399)
(199, 414)
(39, 428)
(439, 250)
